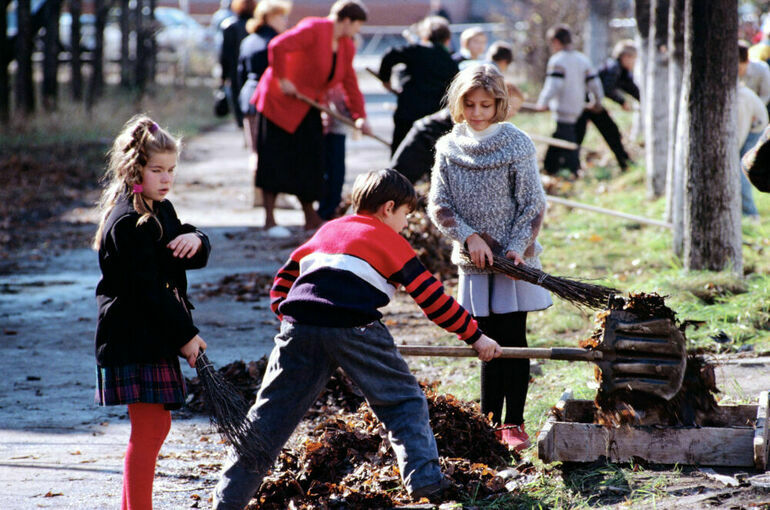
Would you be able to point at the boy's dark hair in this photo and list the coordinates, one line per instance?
(743, 51)
(435, 29)
(374, 188)
(500, 51)
(353, 10)
(561, 33)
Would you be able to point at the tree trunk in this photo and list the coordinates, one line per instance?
(597, 37)
(141, 63)
(51, 51)
(712, 213)
(153, 58)
(97, 69)
(5, 58)
(77, 68)
(675, 63)
(656, 100)
(25, 91)
(125, 34)
(642, 13)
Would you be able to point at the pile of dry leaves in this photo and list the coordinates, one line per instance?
(344, 458)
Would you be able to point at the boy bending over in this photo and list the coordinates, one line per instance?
(327, 296)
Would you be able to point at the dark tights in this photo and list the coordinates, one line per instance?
(505, 379)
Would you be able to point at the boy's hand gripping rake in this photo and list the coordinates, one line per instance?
(648, 356)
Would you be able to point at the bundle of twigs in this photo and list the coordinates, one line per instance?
(227, 412)
(577, 292)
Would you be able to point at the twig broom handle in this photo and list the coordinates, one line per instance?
(336, 115)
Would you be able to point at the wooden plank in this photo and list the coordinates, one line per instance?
(708, 446)
(761, 433)
(545, 447)
(737, 445)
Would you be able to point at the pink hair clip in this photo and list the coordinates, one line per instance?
(138, 188)
(153, 128)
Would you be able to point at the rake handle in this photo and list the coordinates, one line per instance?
(559, 353)
(342, 118)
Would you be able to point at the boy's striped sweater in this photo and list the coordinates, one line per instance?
(350, 268)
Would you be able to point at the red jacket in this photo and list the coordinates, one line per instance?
(303, 54)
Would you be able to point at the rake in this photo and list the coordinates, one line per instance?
(228, 412)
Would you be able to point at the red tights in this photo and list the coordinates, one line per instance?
(150, 424)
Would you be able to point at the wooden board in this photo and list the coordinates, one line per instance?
(739, 444)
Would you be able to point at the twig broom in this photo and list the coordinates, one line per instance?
(227, 412)
(579, 293)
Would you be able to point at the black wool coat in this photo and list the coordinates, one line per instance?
(142, 296)
(428, 73)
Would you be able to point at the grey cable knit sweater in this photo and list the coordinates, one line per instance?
(492, 186)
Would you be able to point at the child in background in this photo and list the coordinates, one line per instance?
(500, 53)
(144, 320)
(569, 80)
(473, 44)
(485, 181)
(327, 296)
(616, 76)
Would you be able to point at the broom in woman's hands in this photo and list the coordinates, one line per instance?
(576, 292)
(227, 412)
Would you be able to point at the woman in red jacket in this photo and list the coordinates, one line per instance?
(309, 58)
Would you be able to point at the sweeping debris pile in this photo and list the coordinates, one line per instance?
(693, 404)
(343, 458)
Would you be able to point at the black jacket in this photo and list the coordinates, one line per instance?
(415, 155)
(614, 76)
(429, 71)
(252, 62)
(140, 318)
(233, 32)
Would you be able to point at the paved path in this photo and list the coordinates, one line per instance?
(59, 450)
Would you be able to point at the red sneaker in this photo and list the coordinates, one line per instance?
(515, 437)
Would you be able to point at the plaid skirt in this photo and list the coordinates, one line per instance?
(153, 383)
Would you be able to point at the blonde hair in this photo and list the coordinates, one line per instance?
(468, 34)
(267, 8)
(138, 141)
(481, 76)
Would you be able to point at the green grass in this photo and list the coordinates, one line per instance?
(185, 111)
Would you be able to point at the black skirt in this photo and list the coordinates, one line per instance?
(291, 162)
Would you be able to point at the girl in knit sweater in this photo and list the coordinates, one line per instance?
(485, 180)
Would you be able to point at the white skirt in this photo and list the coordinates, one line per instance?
(485, 294)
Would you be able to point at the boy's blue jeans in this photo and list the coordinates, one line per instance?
(748, 208)
(302, 361)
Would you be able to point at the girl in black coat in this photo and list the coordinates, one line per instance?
(144, 321)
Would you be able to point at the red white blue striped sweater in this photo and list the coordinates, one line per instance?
(350, 268)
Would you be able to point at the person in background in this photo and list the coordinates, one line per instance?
(473, 43)
(752, 119)
(616, 77)
(485, 182)
(308, 59)
(335, 133)
(500, 53)
(233, 32)
(760, 52)
(570, 77)
(754, 74)
(415, 156)
(327, 296)
(428, 72)
(271, 17)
